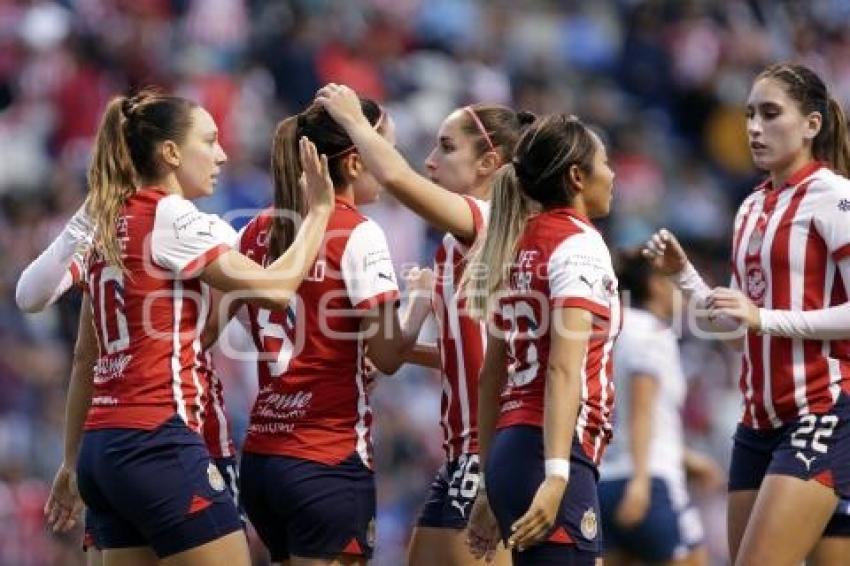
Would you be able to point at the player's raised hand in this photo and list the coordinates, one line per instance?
(665, 253)
(64, 504)
(343, 104)
(316, 178)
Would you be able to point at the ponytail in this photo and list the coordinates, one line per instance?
(111, 181)
(288, 196)
(838, 155)
(510, 209)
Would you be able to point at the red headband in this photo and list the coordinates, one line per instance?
(481, 127)
(352, 147)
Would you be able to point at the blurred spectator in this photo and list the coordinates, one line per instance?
(665, 80)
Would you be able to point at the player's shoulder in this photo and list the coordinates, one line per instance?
(255, 234)
(827, 183)
(583, 241)
(550, 230)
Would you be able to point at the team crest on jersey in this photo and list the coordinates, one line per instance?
(756, 284)
(214, 476)
(844, 205)
(756, 238)
(589, 524)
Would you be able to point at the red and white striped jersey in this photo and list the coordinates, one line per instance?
(214, 426)
(461, 341)
(312, 401)
(786, 244)
(149, 320)
(562, 261)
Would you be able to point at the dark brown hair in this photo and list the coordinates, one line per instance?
(330, 139)
(544, 154)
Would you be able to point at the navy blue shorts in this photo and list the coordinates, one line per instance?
(226, 467)
(839, 524)
(670, 530)
(308, 509)
(514, 472)
(153, 488)
(452, 494)
(813, 447)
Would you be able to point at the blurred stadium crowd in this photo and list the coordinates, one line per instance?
(665, 81)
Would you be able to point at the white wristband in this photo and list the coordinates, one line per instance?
(481, 485)
(557, 467)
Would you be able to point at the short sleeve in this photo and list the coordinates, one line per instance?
(480, 216)
(832, 219)
(367, 267)
(185, 240)
(580, 274)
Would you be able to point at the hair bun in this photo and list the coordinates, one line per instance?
(127, 107)
(525, 118)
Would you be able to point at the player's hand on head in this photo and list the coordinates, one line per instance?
(665, 253)
(534, 526)
(342, 103)
(482, 529)
(733, 303)
(64, 504)
(316, 178)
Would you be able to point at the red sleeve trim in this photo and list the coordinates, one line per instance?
(379, 299)
(76, 272)
(580, 303)
(196, 265)
(841, 253)
(477, 221)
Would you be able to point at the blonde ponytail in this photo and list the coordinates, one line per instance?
(490, 258)
(111, 181)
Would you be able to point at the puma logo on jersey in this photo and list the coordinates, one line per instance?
(806, 461)
(461, 506)
(386, 276)
(587, 281)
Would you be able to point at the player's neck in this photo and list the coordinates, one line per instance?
(481, 191)
(168, 184)
(346, 194)
(779, 177)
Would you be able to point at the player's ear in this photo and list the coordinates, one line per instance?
(169, 152)
(575, 178)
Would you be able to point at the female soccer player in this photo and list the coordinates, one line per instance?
(646, 512)
(549, 355)
(306, 474)
(143, 472)
(473, 142)
(791, 456)
(43, 282)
